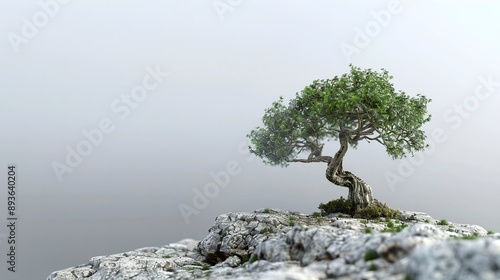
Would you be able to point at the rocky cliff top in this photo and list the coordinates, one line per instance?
(276, 244)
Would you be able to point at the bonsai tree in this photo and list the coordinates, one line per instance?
(358, 106)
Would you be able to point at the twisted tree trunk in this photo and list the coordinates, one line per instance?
(360, 193)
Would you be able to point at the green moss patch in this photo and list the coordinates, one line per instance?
(373, 211)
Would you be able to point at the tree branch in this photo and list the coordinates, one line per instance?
(316, 159)
(367, 131)
(378, 139)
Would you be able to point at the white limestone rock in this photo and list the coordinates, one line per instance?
(240, 232)
(276, 244)
(457, 259)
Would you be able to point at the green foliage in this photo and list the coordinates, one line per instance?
(371, 255)
(291, 220)
(373, 267)
(490, 232)
(368, 230)
(443, 222)
(390, 223)
(402, 226)
(372, 211)
(245, 258)
(167, 256)
(362, 103)
(473, 236)
(265, 230)
(205, 267)
(427, 220)
(254, 258)
(376, 210)
(340, 205)
(391, 227)
(318, 217)
(267, 211)
(316, 214)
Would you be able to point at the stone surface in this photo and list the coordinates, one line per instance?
(237, 234)
(276, 244)
(474, 259)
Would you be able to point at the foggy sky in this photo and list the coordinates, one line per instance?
(226, 65)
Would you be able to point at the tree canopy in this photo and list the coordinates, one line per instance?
(360, 105)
